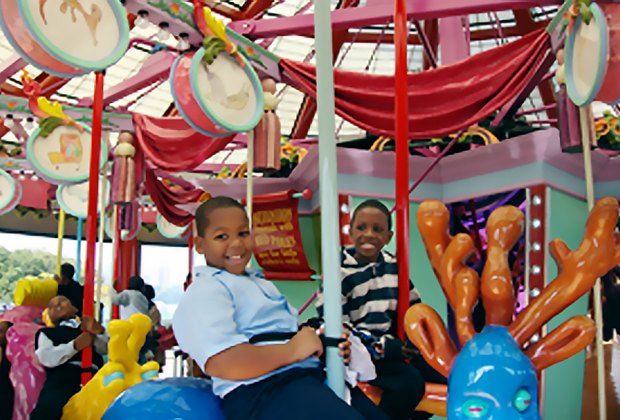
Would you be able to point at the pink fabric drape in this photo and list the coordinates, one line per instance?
(166, 199)
(171, 144)
(441, 101)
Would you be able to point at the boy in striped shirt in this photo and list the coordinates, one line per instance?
(369, 300)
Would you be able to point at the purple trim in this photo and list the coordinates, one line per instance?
(378, 12)
(10, 66)
(455, 46)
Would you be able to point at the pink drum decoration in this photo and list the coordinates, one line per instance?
(10, 192)
(66, 38)
(219, 99)
(593, 57)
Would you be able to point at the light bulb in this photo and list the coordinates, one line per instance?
(21, 177)
(163, 33)
(344, 208)
(183, 42)
(536, 246)
(536, 223)
(34, 177)
(142, 19)
(9, 122)
(29, 124)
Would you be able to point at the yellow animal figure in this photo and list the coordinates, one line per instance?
(35, 291)
(121, 372)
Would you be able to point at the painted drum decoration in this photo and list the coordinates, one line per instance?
(73, 198)
(593, 56)
(63, 156)
(169, 230)
(66, 38)
(218, 99)
(10, 192)
(126, 234)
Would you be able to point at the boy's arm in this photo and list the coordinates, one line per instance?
(247, 361)
(51, 356)
(121, 298)
(205, 328)
(414, 295)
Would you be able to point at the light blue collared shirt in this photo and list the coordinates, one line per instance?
(220, 310)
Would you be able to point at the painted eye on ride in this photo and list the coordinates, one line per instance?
(475, 408)
(522, 401)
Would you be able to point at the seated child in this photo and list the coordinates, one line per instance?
(370, 297)
(59, 350)
(227, 308)
(6, 387)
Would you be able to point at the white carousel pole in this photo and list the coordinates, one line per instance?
(584, 121)
(103, 192)
(250, 176)
(330, 226)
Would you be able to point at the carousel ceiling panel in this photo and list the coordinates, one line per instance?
(353, 56)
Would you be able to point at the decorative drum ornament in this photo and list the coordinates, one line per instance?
(73, 198)
(219, 99)
(126, 234)
(63, 157)
(170, 230)
(10, 192)
(593, 56)
(66, 38)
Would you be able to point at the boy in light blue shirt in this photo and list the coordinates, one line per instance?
(244, 334)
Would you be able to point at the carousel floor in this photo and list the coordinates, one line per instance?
(612, 384)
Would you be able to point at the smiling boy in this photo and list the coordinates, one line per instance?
(244, 334)
(370, 297)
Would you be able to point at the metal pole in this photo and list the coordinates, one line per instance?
(584, 118)
(61, 234)
(91, 224)
(250, 177)
(330, 226)
(402, 160)
(99, 279)
(78, 259)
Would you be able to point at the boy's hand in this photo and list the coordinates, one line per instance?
(345, 348)
(90, 325)
(305, 344)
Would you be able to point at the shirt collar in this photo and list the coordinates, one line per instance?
(208, 270)
(348, 257)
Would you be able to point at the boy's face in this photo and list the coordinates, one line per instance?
(60, 308)
(226, 242)
(370, 233)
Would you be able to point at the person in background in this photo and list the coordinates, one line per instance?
(611, 304)
(6, 387)
(59, 350)
(132, 301)
(152, 339)
(70, 288)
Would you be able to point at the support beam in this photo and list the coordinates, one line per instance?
(156, 68)
(377, 13)
(10, 66)
(454, 44)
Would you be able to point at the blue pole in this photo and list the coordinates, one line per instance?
(78, 259)
(330, 223)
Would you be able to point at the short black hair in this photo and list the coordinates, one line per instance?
(149, 292)
(214, 203)
(67, 270)
(375, 204)
(135, 283)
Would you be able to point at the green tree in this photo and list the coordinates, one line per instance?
(20, 263)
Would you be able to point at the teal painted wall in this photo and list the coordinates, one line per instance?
(298, 292)
(564, 381)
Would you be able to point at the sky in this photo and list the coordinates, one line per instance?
(164, 267)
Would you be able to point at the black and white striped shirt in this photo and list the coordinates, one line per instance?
(370, 293)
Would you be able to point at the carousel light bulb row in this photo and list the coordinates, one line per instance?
(163, 34)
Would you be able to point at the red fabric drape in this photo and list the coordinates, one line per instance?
(171, 144)
(441, 101)
(166, 200)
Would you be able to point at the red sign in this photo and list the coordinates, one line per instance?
(277, 241)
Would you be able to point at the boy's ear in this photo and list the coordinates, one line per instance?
(390, 235)
(199, 244)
